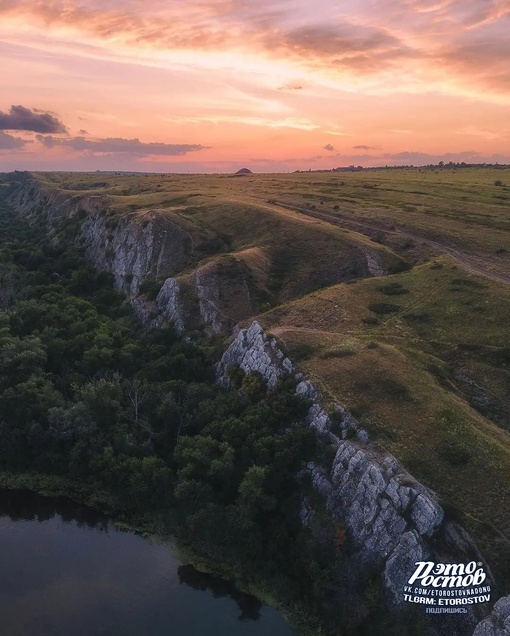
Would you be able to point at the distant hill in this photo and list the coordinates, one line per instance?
(244, 171)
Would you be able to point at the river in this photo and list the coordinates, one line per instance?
(66, 570)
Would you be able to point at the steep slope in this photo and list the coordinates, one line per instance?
(392, 520)
(421, 358)
(199, 265)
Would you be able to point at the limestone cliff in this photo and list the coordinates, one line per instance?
(393, 520)
(152, 246)
(135, 250)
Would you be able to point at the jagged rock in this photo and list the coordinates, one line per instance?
(306, 390)
(305, 512)
(483, 400)
(392, 519)
(207, 284)
(401, 561)
(374, 263)
(253, 352)
(168, 303)
(135, 251)
(498, 622)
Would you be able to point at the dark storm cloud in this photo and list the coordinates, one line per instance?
(21, 118)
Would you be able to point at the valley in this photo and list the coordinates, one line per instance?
(387, 290)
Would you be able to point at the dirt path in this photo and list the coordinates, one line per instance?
(278, 331)
(475, 263)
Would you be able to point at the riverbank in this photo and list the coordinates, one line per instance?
(164, 530)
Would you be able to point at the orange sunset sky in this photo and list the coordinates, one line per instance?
(186, 85)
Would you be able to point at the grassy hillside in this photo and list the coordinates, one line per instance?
(422, 356)
(392, 350)
(296, 255)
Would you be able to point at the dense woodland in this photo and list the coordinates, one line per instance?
(87, 394)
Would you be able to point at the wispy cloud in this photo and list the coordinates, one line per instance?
(432, 40)
(116, 145)
(273, 78)
(364, 147)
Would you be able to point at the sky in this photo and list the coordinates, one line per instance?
(272, 85)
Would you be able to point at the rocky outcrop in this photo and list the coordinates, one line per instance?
(28, 195)
(374, 263)
(498, 623)
(135, 250)
(168, 302)
(207, 285)
(392, 519)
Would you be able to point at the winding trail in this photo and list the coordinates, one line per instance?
(475, 263)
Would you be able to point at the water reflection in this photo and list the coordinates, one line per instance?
(22, 505)
(248, 605)
(67, 569)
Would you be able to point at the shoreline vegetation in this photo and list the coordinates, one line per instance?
(153, 529)
(211, 469)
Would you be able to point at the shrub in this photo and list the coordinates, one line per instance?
(454, 453)
(399, 266)
(339, 351)
(392, 289)
(302, 351)
(236, 375)
(395, 389)
(150, 288)
(383, 308)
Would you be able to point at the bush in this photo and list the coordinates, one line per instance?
(455, 454)
(417, 317)
(302, 351)
(384, 308)
(395, 390)
(392, 289)
(339, 351)
(150, 288)
(399, 266)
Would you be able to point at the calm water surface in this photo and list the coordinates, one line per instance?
(67, 571)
